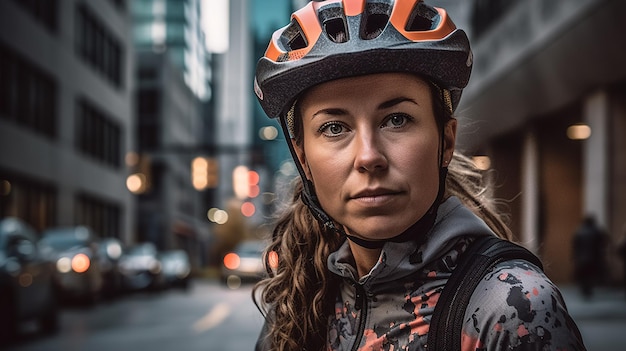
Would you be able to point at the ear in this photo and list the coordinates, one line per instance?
(299, 149)
(449, 141)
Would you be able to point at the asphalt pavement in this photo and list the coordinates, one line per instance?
(601, 318)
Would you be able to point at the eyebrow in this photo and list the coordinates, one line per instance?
(396, 101)
(385, 105)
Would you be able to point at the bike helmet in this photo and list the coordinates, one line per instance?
(333, 39)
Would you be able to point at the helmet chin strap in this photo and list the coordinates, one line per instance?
(309, 198)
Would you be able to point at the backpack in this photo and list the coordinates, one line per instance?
(481, 256)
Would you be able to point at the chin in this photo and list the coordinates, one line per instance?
(377, 228)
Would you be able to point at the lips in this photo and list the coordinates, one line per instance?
(374, 193)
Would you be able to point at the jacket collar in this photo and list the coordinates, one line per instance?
(398, 260)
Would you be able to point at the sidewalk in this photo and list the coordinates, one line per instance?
(601, 319)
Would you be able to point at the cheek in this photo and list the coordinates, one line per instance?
(418, 164)
(416, 153)
(329, 171)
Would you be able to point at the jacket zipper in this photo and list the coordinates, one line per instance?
(360, 303)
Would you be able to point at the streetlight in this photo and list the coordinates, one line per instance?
(578, 132)
(136, 183)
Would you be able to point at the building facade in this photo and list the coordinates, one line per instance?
(174, 27)
(174, 123)
(170, 210)
(66, 114)
(544, 71)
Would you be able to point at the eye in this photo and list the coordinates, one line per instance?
(397, 120)
(332, 129)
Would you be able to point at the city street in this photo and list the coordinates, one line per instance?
(212, 317)
(142, 141)
(601, 319)
(207, 317)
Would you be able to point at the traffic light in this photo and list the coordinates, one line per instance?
(245, 182)
(253, 184)
(204, 173)
(139, 181)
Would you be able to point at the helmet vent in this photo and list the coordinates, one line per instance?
(375, 19)
(423, 18)
(293, 37)
(374, 26)
(334, 22)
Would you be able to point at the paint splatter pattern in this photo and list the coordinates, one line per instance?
(515, 307)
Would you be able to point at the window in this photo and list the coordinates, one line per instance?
(148, 110)
(98, 47)
(33, 201)
(147, 74)
(44, 11)
(102, 216)
(97, 135)
(27, 94)
(175, 9)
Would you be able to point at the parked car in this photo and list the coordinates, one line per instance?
(176, 268)
(244, 263)
(141, 268)
(74, 250)
(26, 281)
(110, 251)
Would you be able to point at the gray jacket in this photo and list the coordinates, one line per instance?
(514, 307)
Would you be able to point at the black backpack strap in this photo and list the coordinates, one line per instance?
(482, 254)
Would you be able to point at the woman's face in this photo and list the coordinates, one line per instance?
(371, 148)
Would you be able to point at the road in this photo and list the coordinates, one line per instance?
(601, 319)
(212, 317)
(207, 317)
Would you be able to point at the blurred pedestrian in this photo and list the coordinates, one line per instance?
(621, 251)
(589, 247)
(384, 207)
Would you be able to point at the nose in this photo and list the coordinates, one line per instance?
(369, 155)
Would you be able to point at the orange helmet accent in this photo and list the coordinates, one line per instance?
(307, 20)
(400, 17)
(334, 39)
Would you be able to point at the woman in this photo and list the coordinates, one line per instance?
(365, 91)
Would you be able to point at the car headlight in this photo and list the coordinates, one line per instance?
(79, 263)
(114, 251)
(64, 264)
